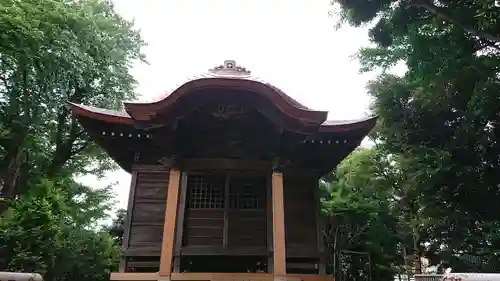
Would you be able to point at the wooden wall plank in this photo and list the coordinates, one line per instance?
(146, 235)
(148, 209)
(204, 227)
(128, 220)
(247, 228)
(152, 185)
(300, 212)
(150, 168)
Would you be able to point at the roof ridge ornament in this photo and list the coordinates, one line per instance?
(230, 68)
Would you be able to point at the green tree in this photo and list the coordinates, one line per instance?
(359, 209)
(42, 233)
(52, 52)
(117, 228)
(440, 118)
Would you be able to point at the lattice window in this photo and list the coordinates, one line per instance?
(248, 192)
(205, 192)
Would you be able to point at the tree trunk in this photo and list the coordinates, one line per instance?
(11, 175)
(405, 257)
(417, 262)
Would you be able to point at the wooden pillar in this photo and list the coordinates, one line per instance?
(319, 230)
(167, 247)
(279, 255)
(226, 212)
(181, 209)
(269, 228)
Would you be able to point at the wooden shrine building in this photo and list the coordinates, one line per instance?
(225, 176)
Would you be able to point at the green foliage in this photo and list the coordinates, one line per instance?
(41, 233)
(359, 209)
(393, 19)
(440, 122)
(52, 52)
(117, 228)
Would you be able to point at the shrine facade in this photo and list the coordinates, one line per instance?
(225, 173)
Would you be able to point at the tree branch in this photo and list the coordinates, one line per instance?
(80, 149)
(64, 149)
(440, 12)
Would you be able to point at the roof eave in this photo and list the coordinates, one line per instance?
(109, 116)
(365, 125)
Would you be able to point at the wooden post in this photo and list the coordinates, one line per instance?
(319, 229)
(269, 218)
(279, 255)
(225, 229)
(181, 209)
(167, 247)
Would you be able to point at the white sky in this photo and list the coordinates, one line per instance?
(291, 44)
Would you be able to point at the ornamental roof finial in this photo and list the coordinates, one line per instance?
(230, 68)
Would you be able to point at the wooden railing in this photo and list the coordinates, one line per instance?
(208, 276)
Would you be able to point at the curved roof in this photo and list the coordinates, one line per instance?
(122, 117)
(239, 73)
(228, 76)
(233, 77)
